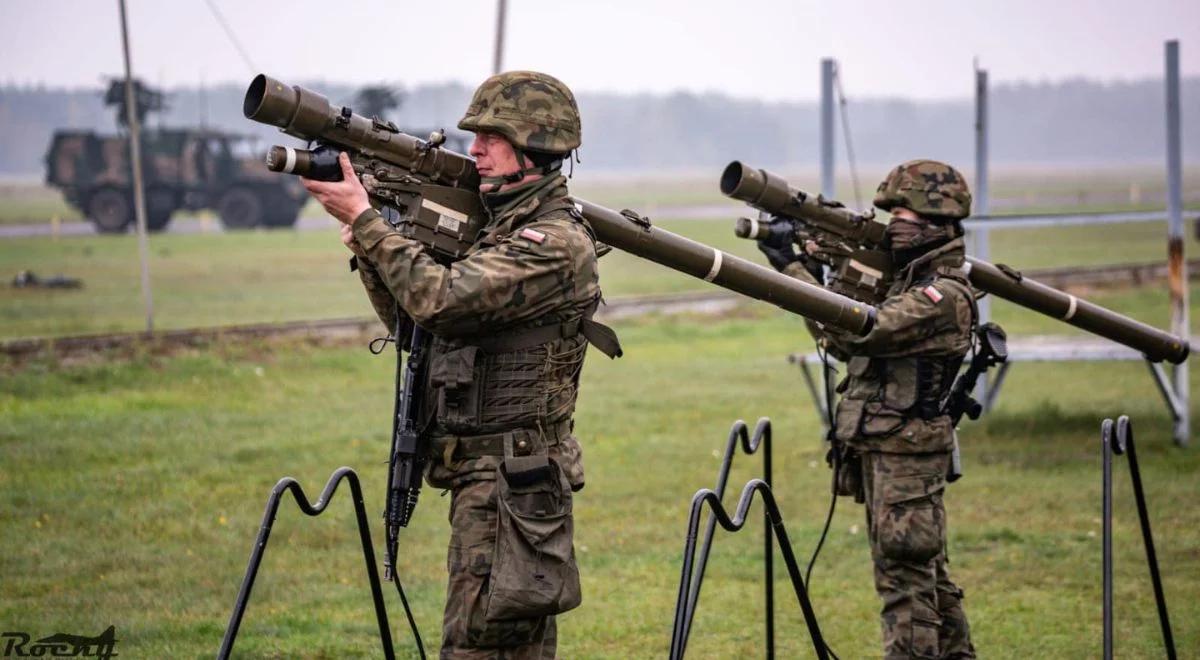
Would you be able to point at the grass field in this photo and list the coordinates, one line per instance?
(251, 277)
(133, 489)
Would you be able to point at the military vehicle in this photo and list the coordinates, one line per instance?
(183, 168)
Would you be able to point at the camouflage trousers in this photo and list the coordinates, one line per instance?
(465, 631)
(922, 614)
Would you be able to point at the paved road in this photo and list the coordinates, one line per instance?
(319, 222)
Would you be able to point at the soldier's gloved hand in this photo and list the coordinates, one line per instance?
(778, 247)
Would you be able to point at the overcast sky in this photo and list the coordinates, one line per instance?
(766, 49)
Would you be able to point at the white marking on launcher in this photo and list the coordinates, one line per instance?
(865, 269)
(753, 227)
(716, 267)
(289, 160)
(444, 210)
(1074, 303)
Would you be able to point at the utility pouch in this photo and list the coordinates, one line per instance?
(849, 482)
(849, 415)
(453, 376)
(533, 570)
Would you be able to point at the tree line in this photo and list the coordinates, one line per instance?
(1077, 122)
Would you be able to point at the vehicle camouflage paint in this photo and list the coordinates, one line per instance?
(183, 168)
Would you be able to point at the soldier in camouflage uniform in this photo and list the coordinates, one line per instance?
(889, 424)
(511, 323)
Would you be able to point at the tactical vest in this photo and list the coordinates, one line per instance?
(880, 396)
(521, 378)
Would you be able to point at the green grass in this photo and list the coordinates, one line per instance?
(255, 277)
(133, 489)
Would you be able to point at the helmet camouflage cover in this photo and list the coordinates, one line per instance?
(534, 111)
(928, 187)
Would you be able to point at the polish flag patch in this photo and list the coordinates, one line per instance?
(532, 235)
(932, 293)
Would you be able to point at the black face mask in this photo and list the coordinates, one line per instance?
(903, 233)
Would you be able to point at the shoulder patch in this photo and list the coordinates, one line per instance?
(932, 293)
(532, 235)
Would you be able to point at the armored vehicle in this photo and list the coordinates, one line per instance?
(181, 168)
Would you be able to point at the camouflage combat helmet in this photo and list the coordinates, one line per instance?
(536, 112)
(930, 188)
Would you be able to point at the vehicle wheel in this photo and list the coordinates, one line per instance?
(240, 208)
(160, 204)
(283, 215)
(110, 210)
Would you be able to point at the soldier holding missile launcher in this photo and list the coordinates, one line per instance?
(511, 321)
(892, 438)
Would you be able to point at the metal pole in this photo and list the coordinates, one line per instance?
(828, 185)
(135, 151)
(498, 56)
(979, 233)
(1106, 440)
(1176, 264)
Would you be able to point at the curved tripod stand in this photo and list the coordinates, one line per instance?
(690, 579)
(738, 435)
(288, 484)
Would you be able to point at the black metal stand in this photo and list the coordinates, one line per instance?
(761, 437)
(689, 584)
(1118, 439)
(264, 533)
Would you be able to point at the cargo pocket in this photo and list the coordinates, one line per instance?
(453, 376)
(473, 520)
(533, 571)
(911, 527)
(924, 642)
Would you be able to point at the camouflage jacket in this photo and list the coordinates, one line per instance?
(527, 270)
(899, 372)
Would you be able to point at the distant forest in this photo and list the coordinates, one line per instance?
(1077, 122)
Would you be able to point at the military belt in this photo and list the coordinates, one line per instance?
(597, 334)
(524, 442)
(508, 342)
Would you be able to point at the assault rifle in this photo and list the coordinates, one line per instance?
(406, 462)
(991, 348)
(851, 244)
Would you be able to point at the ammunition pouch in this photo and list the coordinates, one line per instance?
(534, 573)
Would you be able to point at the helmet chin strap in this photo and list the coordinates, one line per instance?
(499, 181)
